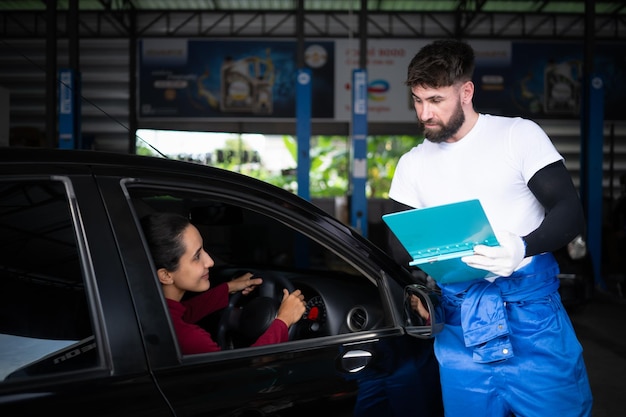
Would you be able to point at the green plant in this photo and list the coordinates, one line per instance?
(329, 174)
(383, 153)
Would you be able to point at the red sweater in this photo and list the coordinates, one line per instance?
(194, 339)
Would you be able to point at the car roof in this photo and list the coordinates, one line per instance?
(128, 164)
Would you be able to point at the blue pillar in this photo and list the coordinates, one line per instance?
(69, 109)
(303, 130)
(303, 133)
(358, 202)
(593, 156)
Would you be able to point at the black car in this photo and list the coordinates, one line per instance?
(84, 327)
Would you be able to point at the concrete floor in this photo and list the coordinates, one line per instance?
(601, 329)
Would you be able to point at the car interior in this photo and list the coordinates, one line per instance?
(339, 298)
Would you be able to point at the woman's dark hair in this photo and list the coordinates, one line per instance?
(164, 234)
(441, 63)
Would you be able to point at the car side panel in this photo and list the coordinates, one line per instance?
(281, 379)
(93, 394)
(121, 371)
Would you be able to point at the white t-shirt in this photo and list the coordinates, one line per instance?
(492, 163)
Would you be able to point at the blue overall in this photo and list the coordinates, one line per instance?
(509, 348)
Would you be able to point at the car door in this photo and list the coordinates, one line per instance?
(69, 341)
(358, 337)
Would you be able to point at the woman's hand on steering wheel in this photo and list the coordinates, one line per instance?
(292, 307)
(245, 283)
(246, 318)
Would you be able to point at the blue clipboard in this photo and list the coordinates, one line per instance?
(437, 237)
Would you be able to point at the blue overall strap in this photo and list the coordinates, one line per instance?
(482, 306)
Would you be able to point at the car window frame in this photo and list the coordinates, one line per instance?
(88, 279)
(262, 207)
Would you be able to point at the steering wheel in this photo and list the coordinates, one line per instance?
(247, 317)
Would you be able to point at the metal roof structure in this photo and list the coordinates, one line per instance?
(547, 19)
(515, 6)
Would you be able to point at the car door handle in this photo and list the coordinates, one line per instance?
(355, 360)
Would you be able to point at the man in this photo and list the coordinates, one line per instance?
(508, 347)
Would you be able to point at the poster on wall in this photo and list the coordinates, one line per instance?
(540, 80)
(185, 78)
(536, 80)
(389, 99)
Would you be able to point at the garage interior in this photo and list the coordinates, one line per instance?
(98, 38)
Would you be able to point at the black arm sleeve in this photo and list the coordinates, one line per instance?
(554, 189)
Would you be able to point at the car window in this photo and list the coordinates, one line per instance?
(237, 235)
(242, 237)
(44, 319)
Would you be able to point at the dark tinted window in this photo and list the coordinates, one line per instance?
(44, 319)
(236, 235)
(244, 236)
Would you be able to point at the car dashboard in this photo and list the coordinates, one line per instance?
(336, 302)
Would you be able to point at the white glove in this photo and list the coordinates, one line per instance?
(500, 260)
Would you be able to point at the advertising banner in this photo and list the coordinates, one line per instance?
(388, 97)
(541, 80)
(186, 78)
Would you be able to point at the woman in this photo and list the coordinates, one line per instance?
(183, 265)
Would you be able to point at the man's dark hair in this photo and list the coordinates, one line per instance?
(441, 63)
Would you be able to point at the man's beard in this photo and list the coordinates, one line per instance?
(448, 130)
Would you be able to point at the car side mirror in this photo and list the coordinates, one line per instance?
(423, 312)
